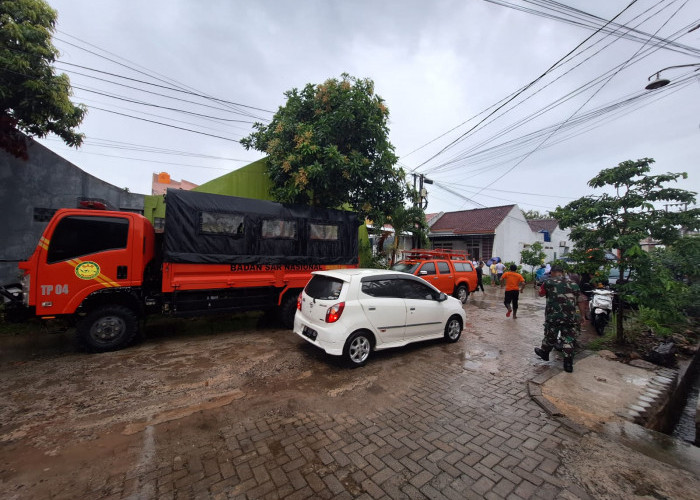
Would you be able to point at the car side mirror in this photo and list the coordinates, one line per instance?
(442, 297)
(423, 273)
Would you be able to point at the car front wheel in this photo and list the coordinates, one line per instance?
(357, 349)
(453, 329)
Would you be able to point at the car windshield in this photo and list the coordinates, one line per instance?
(324, 288)
(405, 267)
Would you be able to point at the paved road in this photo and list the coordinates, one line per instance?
(258, 413)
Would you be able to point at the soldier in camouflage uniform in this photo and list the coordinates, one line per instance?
(564, 299)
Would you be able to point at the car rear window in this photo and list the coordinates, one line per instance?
(324, 288)
(463, 266)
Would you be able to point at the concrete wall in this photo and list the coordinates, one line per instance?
(512, 234)
(31, 190)
(559, 246)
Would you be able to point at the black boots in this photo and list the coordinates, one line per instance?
(568, 364)
(542, 353)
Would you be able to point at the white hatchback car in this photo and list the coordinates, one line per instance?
(350, 312)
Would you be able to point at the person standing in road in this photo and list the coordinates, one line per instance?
(500, 269)
(561, 316)
(514, 283)
(492, 270)
(479, 277)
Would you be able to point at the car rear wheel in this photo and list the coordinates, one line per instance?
(462, 293)
(453, 329)
(357, 349)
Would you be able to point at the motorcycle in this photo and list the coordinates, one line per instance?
(601, 307)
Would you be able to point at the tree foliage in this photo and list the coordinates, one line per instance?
(533, 214)
(533, 255)
(328, 146)
(633, 212)
(33, 99)
(407, 220)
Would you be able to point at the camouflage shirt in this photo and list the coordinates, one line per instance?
(563, 296)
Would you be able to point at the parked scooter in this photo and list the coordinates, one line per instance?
(601, 306)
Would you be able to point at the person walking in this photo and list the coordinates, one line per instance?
(500, 269)
(479, 277)
(492, 270)
(564, 303)
(514, 283)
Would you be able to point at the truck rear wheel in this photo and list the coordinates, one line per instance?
(462, 293)
(288, 309)
(108, 328)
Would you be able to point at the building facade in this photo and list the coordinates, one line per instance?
(32, 190)
(501, 232)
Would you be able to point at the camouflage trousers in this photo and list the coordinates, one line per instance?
(568, 332)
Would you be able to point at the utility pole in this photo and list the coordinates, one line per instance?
(420, 198)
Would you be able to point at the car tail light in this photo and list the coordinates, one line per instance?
(299, 301)
(333, 313)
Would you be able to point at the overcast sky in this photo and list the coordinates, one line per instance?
(438, 65)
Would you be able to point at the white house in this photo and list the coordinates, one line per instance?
(497, 232)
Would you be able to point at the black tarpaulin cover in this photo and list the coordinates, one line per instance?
(208, 228)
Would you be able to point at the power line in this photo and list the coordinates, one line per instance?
(165, 124)
(579, 108)
(180, 87)
(533, 82)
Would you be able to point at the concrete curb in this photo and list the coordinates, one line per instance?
(534, 390)
(651, 408)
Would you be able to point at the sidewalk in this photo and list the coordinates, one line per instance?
(616, 400)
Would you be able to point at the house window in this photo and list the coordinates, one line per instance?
(442, 245)
(159, 224)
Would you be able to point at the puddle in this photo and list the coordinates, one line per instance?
(481, 360)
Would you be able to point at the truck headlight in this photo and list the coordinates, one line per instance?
(26, 282)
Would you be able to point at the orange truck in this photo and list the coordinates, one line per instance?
(449, 272)
(104, 271)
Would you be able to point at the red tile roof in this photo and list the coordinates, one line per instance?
(479, 221)
(538, 225)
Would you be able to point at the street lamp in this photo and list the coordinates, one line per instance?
(662, 82)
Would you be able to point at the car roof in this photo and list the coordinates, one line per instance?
(346, 274)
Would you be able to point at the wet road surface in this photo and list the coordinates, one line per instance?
(251, 411)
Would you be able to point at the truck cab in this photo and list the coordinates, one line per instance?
(84, 252)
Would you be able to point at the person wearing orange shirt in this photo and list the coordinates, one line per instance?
(514, 285)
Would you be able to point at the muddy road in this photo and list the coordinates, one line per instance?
(213, 406)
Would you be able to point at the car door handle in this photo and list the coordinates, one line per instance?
(413, 309)
(372, 308)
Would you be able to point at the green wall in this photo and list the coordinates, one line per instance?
(250, 181)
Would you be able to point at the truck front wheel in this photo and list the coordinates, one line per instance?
(108, 328)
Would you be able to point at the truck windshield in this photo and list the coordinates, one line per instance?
(405, 267)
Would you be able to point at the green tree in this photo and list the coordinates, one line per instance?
(407, 220)
(533, 256)
(328, 146)
(33, 99)
(533, 214)
(633, 211)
